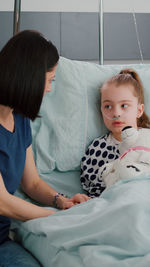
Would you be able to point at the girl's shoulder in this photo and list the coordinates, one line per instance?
(104, 140)
(100, 140)
(97, 142)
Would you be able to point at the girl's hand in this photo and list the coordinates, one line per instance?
(66, 203)
(79, 198)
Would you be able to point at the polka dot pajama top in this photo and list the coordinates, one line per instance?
(102, 150)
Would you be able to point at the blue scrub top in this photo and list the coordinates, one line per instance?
(12, 160)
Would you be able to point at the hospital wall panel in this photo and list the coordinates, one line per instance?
(80, 35)
(47, 23)
(76, 34)
(143, 21)
(6, 27)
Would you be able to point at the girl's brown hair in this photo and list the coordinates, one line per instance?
(130, 77)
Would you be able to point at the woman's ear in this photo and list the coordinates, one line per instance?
(140, 110)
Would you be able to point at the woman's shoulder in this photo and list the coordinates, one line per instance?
(23, 128)
(22, 123)
(20, 119)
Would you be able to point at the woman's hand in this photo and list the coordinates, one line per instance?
(66, 203)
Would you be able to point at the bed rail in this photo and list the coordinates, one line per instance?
(17, 7)
(101, 33)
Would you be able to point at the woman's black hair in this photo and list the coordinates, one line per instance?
(24, 61)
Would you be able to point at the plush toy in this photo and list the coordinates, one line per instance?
(135, 157)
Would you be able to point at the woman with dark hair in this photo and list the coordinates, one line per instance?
(28, 64)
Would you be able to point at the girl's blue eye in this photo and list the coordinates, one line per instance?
(124, 105)
(108, 107)
(50, 81)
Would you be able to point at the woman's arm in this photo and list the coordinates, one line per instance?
(36, 188)
(40, 191)
(14, 207)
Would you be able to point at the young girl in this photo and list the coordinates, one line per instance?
(122, 104)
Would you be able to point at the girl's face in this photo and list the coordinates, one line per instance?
(49, 77)
(120, 108)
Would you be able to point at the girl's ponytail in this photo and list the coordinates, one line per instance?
(135, 76)
(143, 121)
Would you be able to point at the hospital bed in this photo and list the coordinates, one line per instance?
(110, 231)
